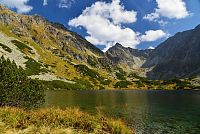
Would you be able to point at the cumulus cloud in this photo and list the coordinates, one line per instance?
(153, 35)
(20, 5)
(172, 9)
(65, 3)
(45, 3)
(103, 23)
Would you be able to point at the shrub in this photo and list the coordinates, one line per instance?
(16, 89)
(33, 67)
(87, 72)
(6, 48)
(121, 75)
(122, 84)
(93, 74)
(21, 45)
(92, 61)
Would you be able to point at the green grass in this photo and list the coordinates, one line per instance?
(6, 48)
(57, 121)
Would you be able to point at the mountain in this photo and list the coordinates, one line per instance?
(60, 58)
(177, 57)
(49, 51)
(128, 58)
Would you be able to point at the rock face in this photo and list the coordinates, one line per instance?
(133, 58)
(177, 57)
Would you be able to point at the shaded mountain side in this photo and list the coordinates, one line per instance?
(177, 57)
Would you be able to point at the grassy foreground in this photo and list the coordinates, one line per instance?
(57, 121)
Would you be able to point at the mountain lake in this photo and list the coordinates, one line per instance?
(146, 111)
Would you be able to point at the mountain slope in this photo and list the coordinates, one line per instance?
(177, 57)
(49, 51)
(63, 59)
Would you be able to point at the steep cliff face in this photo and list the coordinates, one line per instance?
(177, 57)
(133, 58)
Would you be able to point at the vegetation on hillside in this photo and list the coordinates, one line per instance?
(16, 89)
(21, 46)
(6, 48)
(96, 78)
(34, 68)
(122, 84)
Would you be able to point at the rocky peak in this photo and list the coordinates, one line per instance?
(118, 45)
(134, 58)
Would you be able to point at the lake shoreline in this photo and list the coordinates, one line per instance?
(127, 89)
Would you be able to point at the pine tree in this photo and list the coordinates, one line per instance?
(16, 89)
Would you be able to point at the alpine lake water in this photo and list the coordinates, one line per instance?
(147, 112)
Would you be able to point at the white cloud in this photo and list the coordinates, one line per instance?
(45, 3)
(151, 47)
(103, 23)
(153, 35)
(20, 5)
(65, 3)
(172, 9)
(155, 17)
(151, 16)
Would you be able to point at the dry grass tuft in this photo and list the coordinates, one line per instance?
(57, 121)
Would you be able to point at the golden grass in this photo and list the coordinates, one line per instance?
(54, 120)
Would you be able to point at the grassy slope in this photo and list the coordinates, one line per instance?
(55, 63)
(14, 120)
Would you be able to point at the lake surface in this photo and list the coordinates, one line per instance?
(148, 112)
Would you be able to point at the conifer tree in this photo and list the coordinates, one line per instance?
(16, 89)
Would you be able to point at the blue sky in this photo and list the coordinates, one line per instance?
(133, 23)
